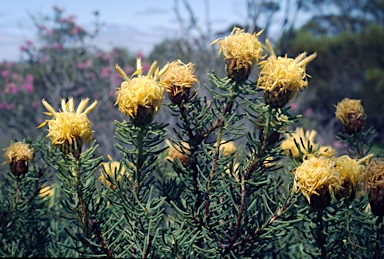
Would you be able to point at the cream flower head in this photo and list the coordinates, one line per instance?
(140, 90)
(244, 48)
(283, 73)
(178, 77)
(351, 113)
(316, 173)
(69, 124)
(351, 170)
(18, 151)
(241, 50)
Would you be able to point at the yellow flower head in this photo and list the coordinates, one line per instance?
(307, 136)
(374, 175)
(241, 47)
(140, 90)
(18, 151)
(176, 152)
(111, 169)
(351, 170)
(283, 73)
(228, 147)
(316, 173)
(178, 77)
(69, 124)
(351, 113)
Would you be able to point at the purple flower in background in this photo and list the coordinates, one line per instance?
(11, 88)
(84, 65)
(4, 73)
(308, 112)
(130, 69)
(57, 46)
(139, 55)
(23, 48)
(17, 77)
(77, 30)
(105, 72)
(28, 84)
(9, 106)
(35, 105)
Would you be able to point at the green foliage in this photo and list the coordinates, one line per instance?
(211, 200)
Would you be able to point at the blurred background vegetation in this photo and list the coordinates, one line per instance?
(66, 61)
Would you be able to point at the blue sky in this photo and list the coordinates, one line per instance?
(136, 25)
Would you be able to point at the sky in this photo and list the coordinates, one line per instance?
(136, 25)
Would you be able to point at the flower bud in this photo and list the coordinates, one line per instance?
(18, 155)
(321, 200)
(374, 182)
(143, 116)
(277, 97)
(178, 81)
(351, 113)
(237, 74)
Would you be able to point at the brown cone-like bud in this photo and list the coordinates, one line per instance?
(321, 201)
(180, 96)
(277, 98)
(354, 124)
(238, 75)
(348, 191)
(376, 200)
(144, 116)
(19, 167)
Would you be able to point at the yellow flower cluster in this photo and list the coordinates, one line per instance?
(307, 136)
(334, 174)
(18, 151)
(242, 48)
(178, 77)
(315, 173)
(284, 73)
(112, 169)
(140, 90)
(350, 170)
(67, 125)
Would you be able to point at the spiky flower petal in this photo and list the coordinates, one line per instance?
(69, 125)
(18, 151)
(283, 74)
(316, 174)
(352, 173)
(178, 80)
(140, 90)
(241, 50)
